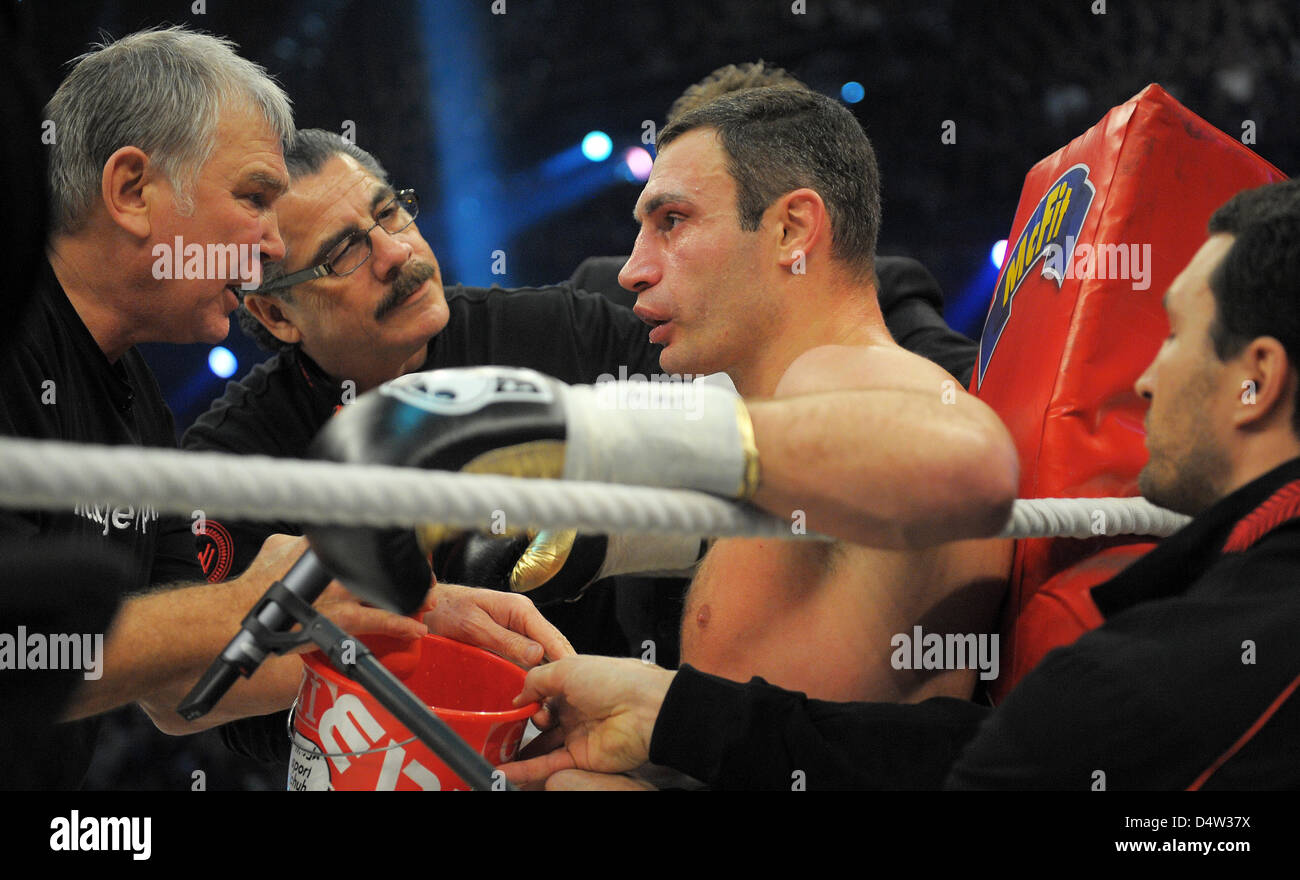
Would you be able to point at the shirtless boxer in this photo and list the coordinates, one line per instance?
(1154, 698)
(755, 255)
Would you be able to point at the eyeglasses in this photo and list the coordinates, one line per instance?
(351, 254)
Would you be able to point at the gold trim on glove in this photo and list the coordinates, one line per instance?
(542, 559)
(538, 458)
(749, 479)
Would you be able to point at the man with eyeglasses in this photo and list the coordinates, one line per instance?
(358, 300)
(125, 179)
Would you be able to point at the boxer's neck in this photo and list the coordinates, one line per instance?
(849, 316)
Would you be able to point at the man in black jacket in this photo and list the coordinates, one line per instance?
(128, 182)
(1192, 681)
(377, 312)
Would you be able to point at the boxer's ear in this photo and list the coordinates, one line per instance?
(130, 188)
(270, 313)
(800, 222)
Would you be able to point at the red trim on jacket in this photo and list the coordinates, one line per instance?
(1246, 737)
(1282, 506)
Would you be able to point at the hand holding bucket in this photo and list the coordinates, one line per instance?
(344, 740)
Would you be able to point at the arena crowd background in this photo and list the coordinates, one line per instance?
(483, 107)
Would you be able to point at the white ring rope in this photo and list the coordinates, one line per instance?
(56, 476)
(1090, 517)
(48, 475)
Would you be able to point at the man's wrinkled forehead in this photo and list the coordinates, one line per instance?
(380, 194)
(248, 150)
(324, 209)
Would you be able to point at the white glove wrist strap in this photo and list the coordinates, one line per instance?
(676, 435)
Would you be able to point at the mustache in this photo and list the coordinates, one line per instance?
(410, 279)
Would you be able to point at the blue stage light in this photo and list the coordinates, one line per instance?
(998, 252)
(222, 362)
(852, 92)
(597, 146)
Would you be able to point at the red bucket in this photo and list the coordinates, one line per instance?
(344, 740)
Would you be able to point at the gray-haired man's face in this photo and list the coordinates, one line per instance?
(232, 228)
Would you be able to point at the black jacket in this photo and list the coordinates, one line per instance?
(56, 384)
(282, 403)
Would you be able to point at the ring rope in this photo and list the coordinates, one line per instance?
(51, 475)
(1090, 517)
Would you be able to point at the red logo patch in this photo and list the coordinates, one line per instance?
(216, 550)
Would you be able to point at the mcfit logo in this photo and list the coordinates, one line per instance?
(1052, 230)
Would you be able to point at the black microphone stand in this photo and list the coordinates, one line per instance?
(283, 605)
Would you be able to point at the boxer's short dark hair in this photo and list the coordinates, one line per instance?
(732, 78)
(780, 139)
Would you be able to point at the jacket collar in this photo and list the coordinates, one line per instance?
(1180, 559)
(324, 390)
(113, 375)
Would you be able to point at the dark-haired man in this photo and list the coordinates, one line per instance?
(756, 258)
(910, 299)
(1192, 681)
(358, 300)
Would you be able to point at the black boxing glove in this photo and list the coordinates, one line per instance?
(521, 423)
(561, 564)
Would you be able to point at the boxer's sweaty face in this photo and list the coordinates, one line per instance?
(1192, 395)
(383, 314)
(696, 272)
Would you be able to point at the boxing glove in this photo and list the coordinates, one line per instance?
(519, 422)
(561, 565)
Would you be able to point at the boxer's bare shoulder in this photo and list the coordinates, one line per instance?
(885, 366)
(821, 618)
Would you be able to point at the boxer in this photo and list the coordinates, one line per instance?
(842, 432)
(1189, 683)
(909, 296)
(755, 257)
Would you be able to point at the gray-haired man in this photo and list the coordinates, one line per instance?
(168, 158)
